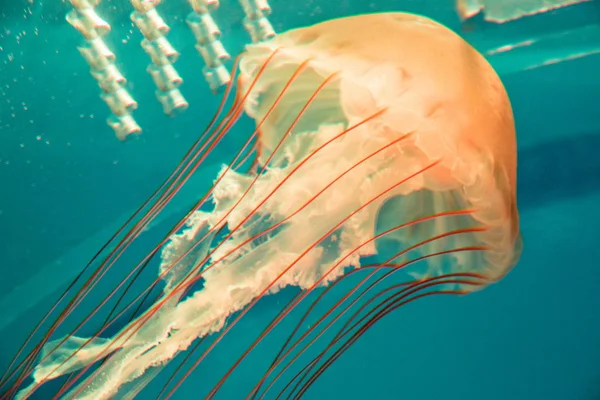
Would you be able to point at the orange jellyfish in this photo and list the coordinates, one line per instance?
(384, 148)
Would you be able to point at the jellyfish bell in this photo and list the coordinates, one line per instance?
(431, 84)
(381, 135)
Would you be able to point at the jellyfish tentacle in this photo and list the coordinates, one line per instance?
(346, 329)
(330, 324)
(196, 207)
(385, 147)
(395, 269)
(284, 353)
(187, 285)
(7, 375)
(137, 228)
(89, 286)
(227, 127)
(295, 302)
(296, 260)
(406, 290)
(285, 350)
(190, 353)
(301, 375)
(472, 248)
(316, 324)
(243, 161)
(404, 299)
(322, 190)
(223, 127)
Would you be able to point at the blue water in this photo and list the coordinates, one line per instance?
(67, 183)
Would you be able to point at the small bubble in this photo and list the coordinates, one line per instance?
(38, 137)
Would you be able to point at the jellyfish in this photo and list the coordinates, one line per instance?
(384, 155)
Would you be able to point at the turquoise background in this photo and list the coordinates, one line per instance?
(67, 182)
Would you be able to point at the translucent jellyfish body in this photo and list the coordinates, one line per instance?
(380, 136)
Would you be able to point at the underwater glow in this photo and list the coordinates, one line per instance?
(394, 143)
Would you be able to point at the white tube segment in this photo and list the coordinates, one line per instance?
(101, 61)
